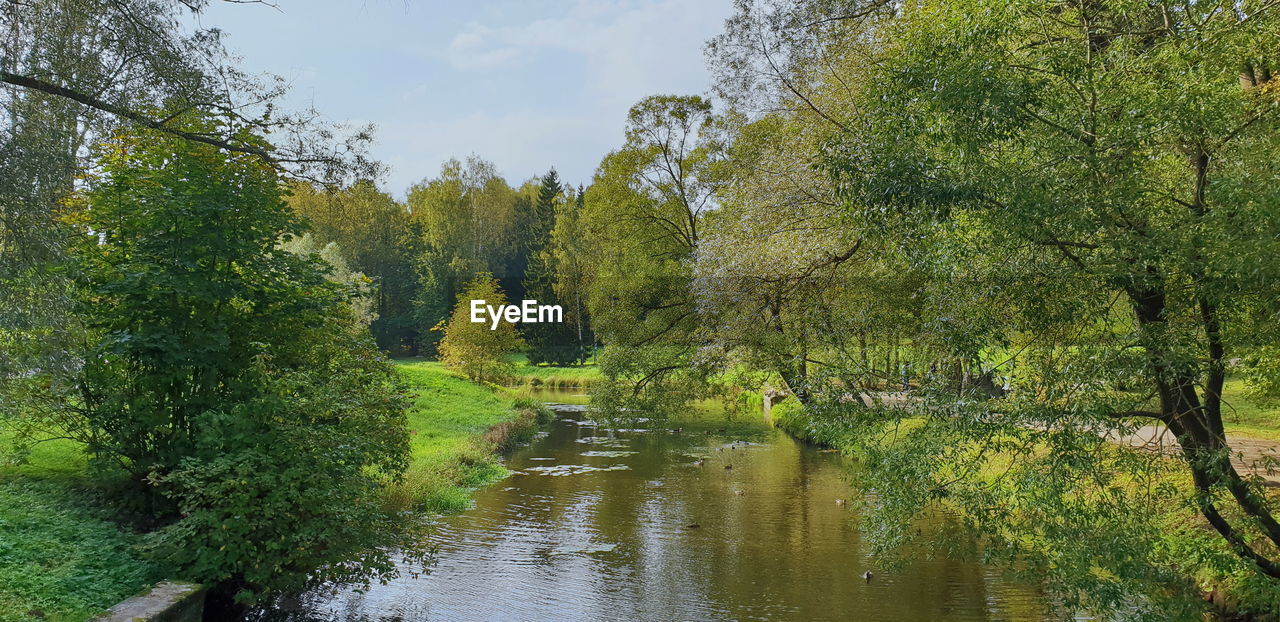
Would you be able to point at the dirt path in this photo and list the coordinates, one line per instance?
(1251, 456)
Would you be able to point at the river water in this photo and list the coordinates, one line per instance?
(715, 521)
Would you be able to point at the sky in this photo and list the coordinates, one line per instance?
(525, 84)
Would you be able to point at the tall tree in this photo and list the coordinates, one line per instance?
(784, 281)
(644, 214)
(1084, 176)
(466, 218)
(73, 72)
(552, 342)
(572, 272)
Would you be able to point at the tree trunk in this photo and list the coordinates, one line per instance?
(1199, 430)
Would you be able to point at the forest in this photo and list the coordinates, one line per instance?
(976, 246)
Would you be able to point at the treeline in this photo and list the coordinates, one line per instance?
(465, 222)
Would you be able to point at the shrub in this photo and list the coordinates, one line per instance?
(229, 378)
(475, 348)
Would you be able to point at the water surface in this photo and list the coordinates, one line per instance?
(645, 524)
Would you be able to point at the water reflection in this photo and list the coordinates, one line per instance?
(659, 525)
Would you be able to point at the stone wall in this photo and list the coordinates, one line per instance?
(166, 602)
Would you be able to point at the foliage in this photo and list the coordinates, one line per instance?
(229, 377)
(572, 272)
(643, 216)
(357, 285)
(476, 349)
(373, 233)
(548, 342)
(466, 219)
(61, 557)
(1063, 199)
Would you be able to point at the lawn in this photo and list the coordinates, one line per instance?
(1243, 417)
(554, 377)
(451, 424)
(61, 555)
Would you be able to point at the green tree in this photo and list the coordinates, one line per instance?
(571, 279)
(643, 216)
(549, 342)
(1080, 182)
(373, 229)
(465, 218)
(228, 377)
(477, 349)
(1078, 189)
(784, 282)
(71, 72)
(357, 286)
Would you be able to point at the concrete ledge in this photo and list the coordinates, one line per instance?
(166, 602)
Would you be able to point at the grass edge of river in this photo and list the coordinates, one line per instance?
(64, 559)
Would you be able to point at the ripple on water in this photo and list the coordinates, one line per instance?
(604, 441)
(596, 453)
(561, 470)
(584, 549)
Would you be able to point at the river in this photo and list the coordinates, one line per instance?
(718, 520)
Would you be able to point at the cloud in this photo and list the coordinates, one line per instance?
(596, 59)
(628, 47)
(471, 51)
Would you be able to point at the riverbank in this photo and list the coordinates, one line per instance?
(531, 376)
(456, 427)
(1234, 592)
(65, 557)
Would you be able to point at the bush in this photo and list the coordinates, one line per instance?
(234, 383)
(475, 349)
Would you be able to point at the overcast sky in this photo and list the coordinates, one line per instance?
(527, 84)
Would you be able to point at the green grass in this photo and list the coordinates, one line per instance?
(61, 555)
(1243, 417)
(455, 427)
(545, 376)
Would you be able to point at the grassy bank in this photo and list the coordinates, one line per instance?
(456, 426)
(62, 557)
(549, 377)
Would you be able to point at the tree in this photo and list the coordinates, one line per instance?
(1076, 192)
(373, 228)
(71, 73)
(227, 377)
(643, 215)
(571, 285)
(1081, 183)
(357, 286)
(478, 349)
(465, 218)
(548, 342)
